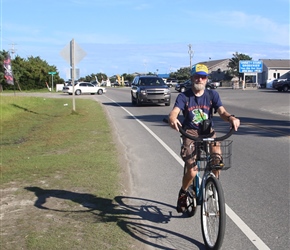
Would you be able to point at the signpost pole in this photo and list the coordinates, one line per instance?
(73, 54)
(51, 73)
(51, 82)
(73, 71)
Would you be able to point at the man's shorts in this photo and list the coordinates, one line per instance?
(188, 151)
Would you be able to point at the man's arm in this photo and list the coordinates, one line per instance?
(226, 116)
(172, 118)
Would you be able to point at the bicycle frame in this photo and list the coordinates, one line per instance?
(199, 182)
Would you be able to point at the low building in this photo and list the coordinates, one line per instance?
(274, 69)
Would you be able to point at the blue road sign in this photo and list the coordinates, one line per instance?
(247, 66)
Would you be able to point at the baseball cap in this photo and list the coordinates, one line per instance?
(199, 69)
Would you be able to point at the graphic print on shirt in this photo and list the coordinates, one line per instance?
(199, 116)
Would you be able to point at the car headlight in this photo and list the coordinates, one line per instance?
(167, 91)
(143, 91)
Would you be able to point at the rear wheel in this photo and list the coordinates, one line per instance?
(100, 92)
(285, 88)
(213, 216)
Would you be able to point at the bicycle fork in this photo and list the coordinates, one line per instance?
(209, 194)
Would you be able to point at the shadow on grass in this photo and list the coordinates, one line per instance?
(138, 217)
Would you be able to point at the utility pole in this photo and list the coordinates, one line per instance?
(13, 50)
(190, 52)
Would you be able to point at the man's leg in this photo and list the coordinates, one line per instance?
(216, 155)
(188, 177)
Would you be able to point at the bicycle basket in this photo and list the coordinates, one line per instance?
(221, 159)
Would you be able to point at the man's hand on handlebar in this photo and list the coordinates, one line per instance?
(172, 119)
(235, 123)
(174, 123)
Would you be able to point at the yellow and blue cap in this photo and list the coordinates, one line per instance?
(199, 69)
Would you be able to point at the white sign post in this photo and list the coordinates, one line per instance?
(250, 68)
(73, 54)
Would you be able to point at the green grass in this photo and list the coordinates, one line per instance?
(65, 160)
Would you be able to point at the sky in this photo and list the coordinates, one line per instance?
(128, 36)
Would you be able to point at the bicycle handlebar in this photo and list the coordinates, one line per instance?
(203, 137)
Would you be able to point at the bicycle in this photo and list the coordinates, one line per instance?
(206, 190)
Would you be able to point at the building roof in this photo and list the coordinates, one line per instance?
(214, 63)
(276, 63)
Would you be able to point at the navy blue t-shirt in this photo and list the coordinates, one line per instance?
(198, 107)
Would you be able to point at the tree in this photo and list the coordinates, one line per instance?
(30, 73)
(234, 64)
(182, 74)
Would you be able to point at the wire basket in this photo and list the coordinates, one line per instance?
(221, 159)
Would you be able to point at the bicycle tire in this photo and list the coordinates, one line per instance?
(213, 227)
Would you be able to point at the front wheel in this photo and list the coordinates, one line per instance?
(213, 215)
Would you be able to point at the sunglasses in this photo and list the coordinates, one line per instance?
(199, 76)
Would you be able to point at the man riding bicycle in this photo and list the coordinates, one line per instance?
(196, 104)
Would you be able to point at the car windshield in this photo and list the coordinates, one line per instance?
(151, 82)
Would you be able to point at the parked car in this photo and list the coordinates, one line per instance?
(214, 84)
(150, 89)
(84, 88)
(171, 82)
(181, 87)
(115, 84)
(281, 85)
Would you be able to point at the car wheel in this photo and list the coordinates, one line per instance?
(285, 88)
(100, 92)
(133, 100)
(78, 92)
(138, 103)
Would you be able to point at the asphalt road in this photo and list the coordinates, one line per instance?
(256, 187)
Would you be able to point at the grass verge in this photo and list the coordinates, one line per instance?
(59, 176)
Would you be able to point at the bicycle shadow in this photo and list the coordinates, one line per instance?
(138, 217)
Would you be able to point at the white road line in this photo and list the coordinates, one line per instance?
(233, 216)
(246, 230)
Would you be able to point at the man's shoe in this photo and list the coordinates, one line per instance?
(181, 203)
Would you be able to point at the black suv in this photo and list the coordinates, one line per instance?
(150, 89)
(281, 84)
(181, 87)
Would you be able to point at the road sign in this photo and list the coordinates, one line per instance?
(79, 53)
(51, 73)
(247, 66)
